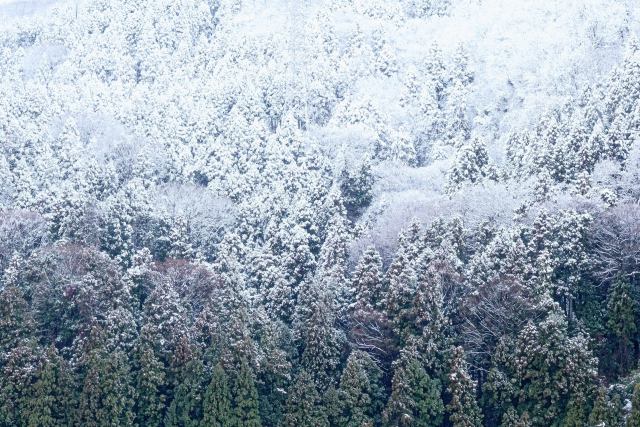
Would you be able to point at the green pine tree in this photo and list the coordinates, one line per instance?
(107, 395)
(50, 398)
(217, 400)
(463, 408)
(185, 409)
(359, 393)
(634, 417)
(576, 412)
(150, 402)
(245, 397)
(303, 406)
(621, 322)
(415, 396)
(615, 415)
(367, 281)
(600, 410)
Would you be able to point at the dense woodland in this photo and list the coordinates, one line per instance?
(204, 222)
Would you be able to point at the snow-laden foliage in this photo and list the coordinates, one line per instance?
(319, 213)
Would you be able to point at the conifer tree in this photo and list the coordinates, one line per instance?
(150, 382)
(217, 400)
(333, 256)
(400, 295)
(463, 409)
(245, 397)
(50, 398)
(18, 366)
(356, 189)
(367, 281)
(415, 396)
(107, 395)
(472, 165)
(303, 406)
(542, 369)
(600, 411)
(179, 238)
(186, 409)
(633, 420)
(428, 319)
(15, 318)
(576, 415)
(621, 322)
(318, 338)
(359, 392)
(616, 413)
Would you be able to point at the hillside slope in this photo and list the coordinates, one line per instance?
(320, 213)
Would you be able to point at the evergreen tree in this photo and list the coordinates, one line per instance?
(217, 400)
(16, 321)
(429, 321)
(319, 340)
(274, 368)
(576, 412)
(401, 294)
(599, 412)
(367, 281)
(186, 408)
(179, 238)
(356, 189)
(107, 396)
(633, 420)
(150, 382)
(333, 256)
(359, 394)
(18, 374)
(542, 369)
(621, 323)
(472, 165)
(616, 413)
(415, 396)
(463, 409)
(51, 395)
(303, 406)
(245, 397)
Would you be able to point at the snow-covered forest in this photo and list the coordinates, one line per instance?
(353, 213)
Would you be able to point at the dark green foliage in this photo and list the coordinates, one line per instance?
(367, 281)
(150, 383)
(303, 406)
(415, 396)
(621, 324)
(634, 417)
(462, 409)
(356, 188)
(217, 400)
(186, 408)
(360, 394)
(51, 398)
(549, 368)
(15, 318)
(244, 397)
(616, 410)
(319, 339)
(600, 411)
(577, 412)
(36, 388)
(107, 395)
